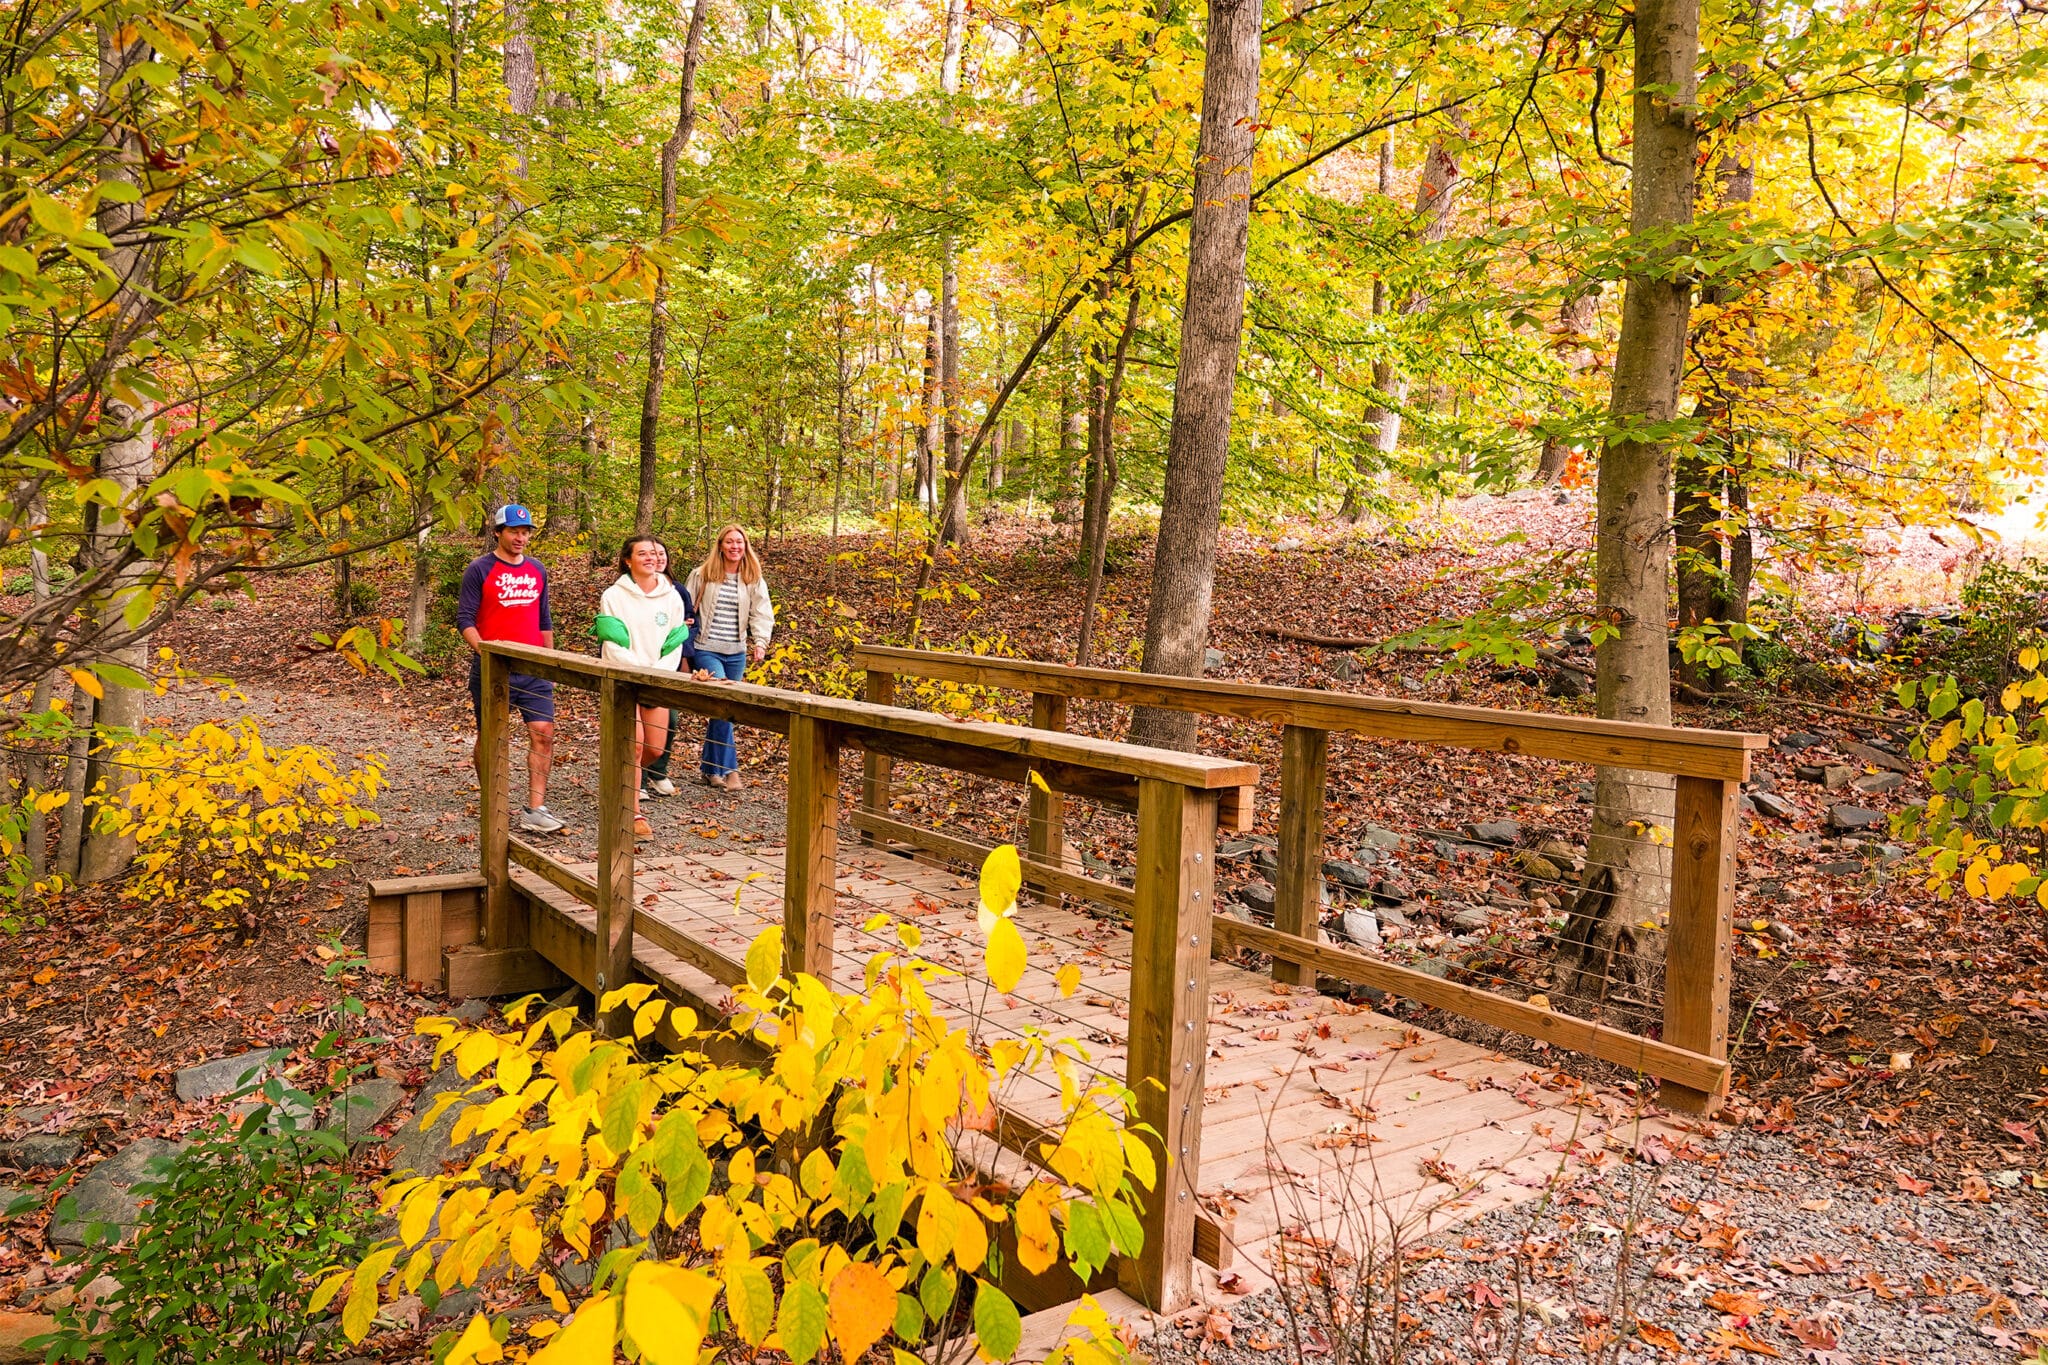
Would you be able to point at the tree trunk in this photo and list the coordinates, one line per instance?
(1073, 426)
(1626, 867)
(1382, 373)
(1212, 328)
(953, 522)
(128, 460)
(38, 832)
(1710, 487)
(1575, 318)
(419, 598)
(928, 429)
(1103, 478)
(657, 323)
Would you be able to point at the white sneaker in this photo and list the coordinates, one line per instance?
(538, 820)
(661, 786)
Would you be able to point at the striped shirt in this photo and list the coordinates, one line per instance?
(722, 627)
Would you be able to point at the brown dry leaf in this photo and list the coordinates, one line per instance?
(1741, 1304)
(1732, 1340)
(1663, 1338)
(1261, 1342)
(1818, 1333)
(1910, 1185)
(1976, 1190)
(1216, 1327)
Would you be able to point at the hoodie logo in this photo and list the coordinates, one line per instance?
(661, 618)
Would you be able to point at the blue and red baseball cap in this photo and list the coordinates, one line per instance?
(511, 514)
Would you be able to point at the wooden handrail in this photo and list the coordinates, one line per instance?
(1708, 765)
(1614, 743)
(769, 708)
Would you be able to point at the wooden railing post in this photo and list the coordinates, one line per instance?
(811, 863)
(616, 767)
(1298, 892)
(1169, 1026)
(877, 769)
(1046, 840)
(494, 800)
(1701, 932)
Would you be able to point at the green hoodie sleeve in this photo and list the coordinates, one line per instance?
(611, 630)
(677, 638)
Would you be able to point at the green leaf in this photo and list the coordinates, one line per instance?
(801, 1323)
(996, 1322)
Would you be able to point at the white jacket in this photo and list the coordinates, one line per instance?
(648, 617)
(757, 614)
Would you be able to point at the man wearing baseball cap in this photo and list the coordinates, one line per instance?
(505, 597)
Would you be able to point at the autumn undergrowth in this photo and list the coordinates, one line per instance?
(807, 1205)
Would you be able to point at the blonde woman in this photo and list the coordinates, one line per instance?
(736, 619)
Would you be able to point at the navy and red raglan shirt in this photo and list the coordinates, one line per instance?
(503, 601)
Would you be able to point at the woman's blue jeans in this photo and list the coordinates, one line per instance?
(719, 755)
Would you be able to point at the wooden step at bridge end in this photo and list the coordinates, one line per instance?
(476, 971)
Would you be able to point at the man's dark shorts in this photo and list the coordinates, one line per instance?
(533, 698)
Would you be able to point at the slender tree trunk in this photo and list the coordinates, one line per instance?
(1212, 328)
(128, 460)
(657, 324)
(1105, 473)
(1366, 468)
(38, 832)
(953, 522)
(1575, 318)
(1073, 428)
(928, 430)
(1625, 866)
(1710, 487)
(419, 597)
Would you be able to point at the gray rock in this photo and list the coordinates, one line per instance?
(1395, 916)
(1259, 896)
(224, 1075)
(1777, 807)
(1871, 754)
(1891, 853)
(1839, 868)
(1267, 861)
(1503, 833)
(1874, 784)
(1378, 836)
(425, 1150)
(1238, 848)
(1854, 817)
(1213, 659)
(1799, 741)
(1810, 772)
(10, 1193)
(103, 1195)
(1350, 876)
(1362, 927)
(472, 1011)
(1391, 890)
(1837, 776)
(1409, 684)
(1468, 919)
(1287, 544)
(1434, 966)
(367, 1103)
(1536, 866)
(1445, 849)
(1745, 805)
(41, 1150)
(1760, 781)
(1344, 668)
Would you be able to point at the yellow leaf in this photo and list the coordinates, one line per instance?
(1038, 1240)
(1002, 876)
(749, 1300)
(2030, 658)
(2003, 877)
(1068, 979)
(515, 1068)
(419, 1214)
(87, 684)
(666, 1310)
(1541, 1002)
(475, 1344)
(970, 1240)
(586, 1341)
(525, 1239)
(1005, 956)
(859, 1307)
(647, 1016)
(477, 1051)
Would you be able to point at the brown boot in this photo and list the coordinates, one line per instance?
(733, 781)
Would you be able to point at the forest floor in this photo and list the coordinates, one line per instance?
(1891, 1052)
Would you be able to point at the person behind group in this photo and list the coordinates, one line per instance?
(654, 779)
(505, 597)
(642, 619)
(737, 619)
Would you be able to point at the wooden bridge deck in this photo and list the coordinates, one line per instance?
(1323, 1123)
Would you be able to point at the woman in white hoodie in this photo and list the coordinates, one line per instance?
(642, 621)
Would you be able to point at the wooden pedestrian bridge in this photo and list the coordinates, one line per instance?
(1290, 1117)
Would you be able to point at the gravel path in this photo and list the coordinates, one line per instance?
(1749, 1250)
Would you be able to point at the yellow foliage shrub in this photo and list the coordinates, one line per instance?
(224, 820)
(807, 1203)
